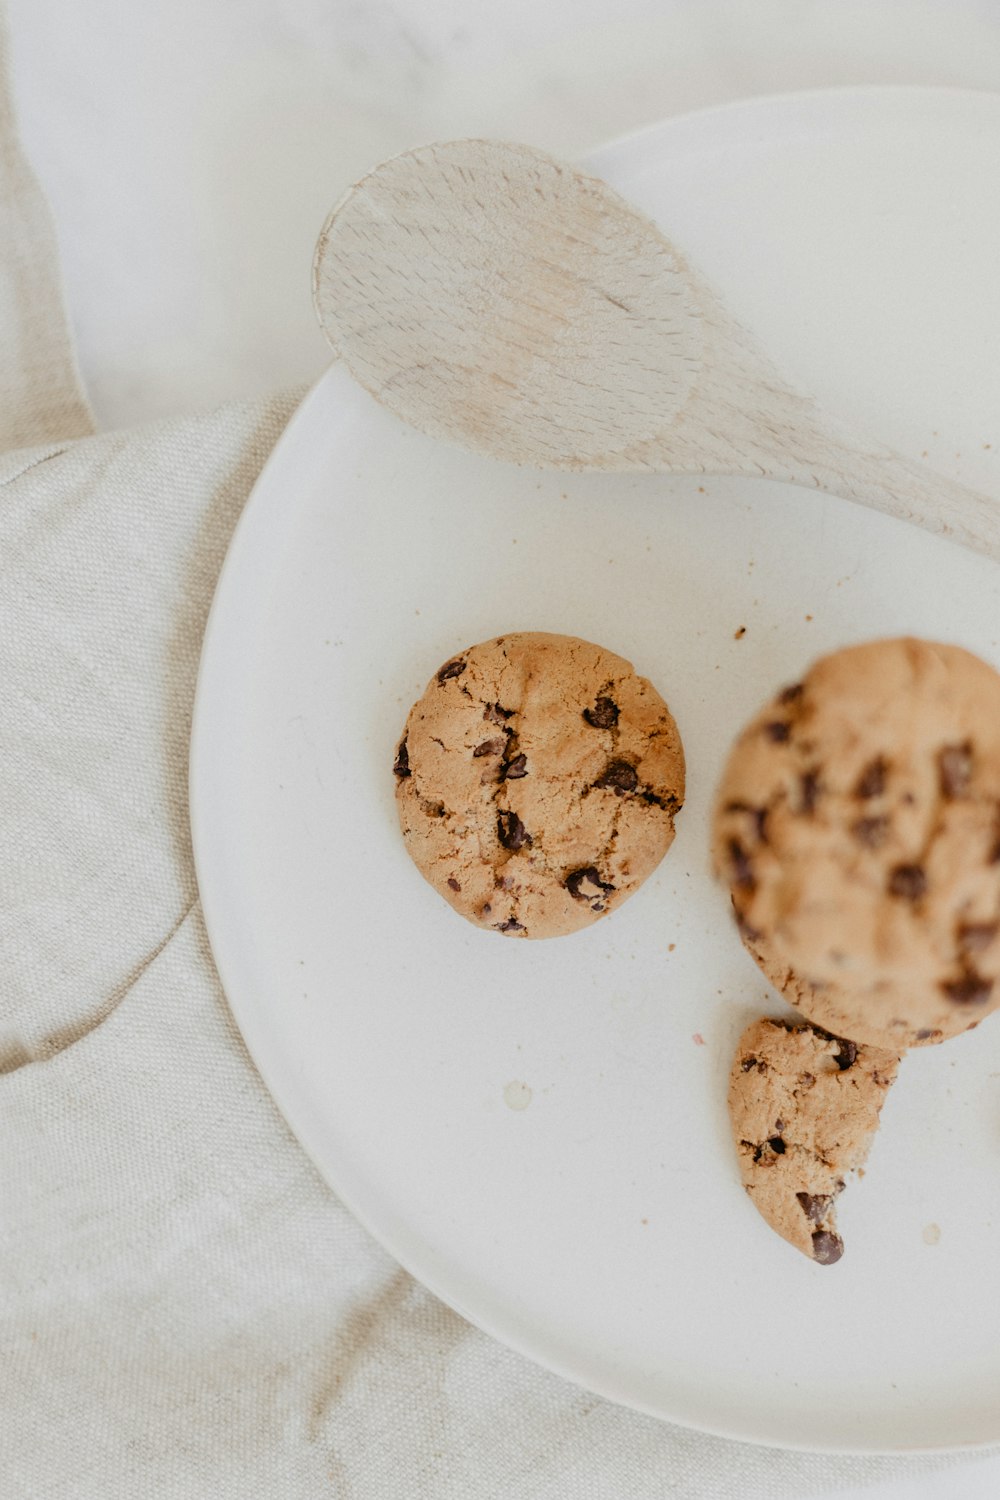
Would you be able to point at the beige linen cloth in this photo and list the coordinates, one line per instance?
(185, 1309)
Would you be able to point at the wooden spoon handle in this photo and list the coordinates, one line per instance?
(906, 490)
(742, 418)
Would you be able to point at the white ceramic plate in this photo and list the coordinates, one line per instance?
(538, 1130)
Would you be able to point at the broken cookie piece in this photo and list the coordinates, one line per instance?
(804, 1107)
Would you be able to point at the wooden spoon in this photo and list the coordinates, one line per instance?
(495, 297)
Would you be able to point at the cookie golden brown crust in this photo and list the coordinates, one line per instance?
(858, 827)
(537, 781)
(804, 1107)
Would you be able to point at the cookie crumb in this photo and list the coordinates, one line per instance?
(517, 1095)
(698, 1039)
(739, 634)
(931, 1234)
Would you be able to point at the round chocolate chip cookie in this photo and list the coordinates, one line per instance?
(858, 827)
(537, 781)
(804, 1107)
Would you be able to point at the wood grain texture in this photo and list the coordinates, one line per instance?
(494, 297)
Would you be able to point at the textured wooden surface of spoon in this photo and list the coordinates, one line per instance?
(494, 297)
(490, 295)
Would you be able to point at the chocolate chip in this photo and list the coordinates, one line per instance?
(669, 804)
(451, 669)
(955, 769)
(765, 1153)
(758, 816)
(789, 694)
(925, 1033)
(847, 1054)
(494, 714)
(908, 881)
(741, 870)
(971, 989)
(809, 790)
(618, 777)
(815, 1206)
(513, 770)
(871, 832)
(974, 937)
(488, 747)
(577, 881)
(779, 1126)
(777, 731)
(603, 715)
(749, 1063)
(511, 831)
(401, 766)
(871, 782)
(453, 883)
(827, 1247)
(511, 925)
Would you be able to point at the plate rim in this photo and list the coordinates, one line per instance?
(200, 817)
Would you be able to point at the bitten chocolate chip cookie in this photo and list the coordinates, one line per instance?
(537, 781)
(858, 827)
(804, 1107)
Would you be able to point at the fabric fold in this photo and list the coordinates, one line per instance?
(111, 548)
